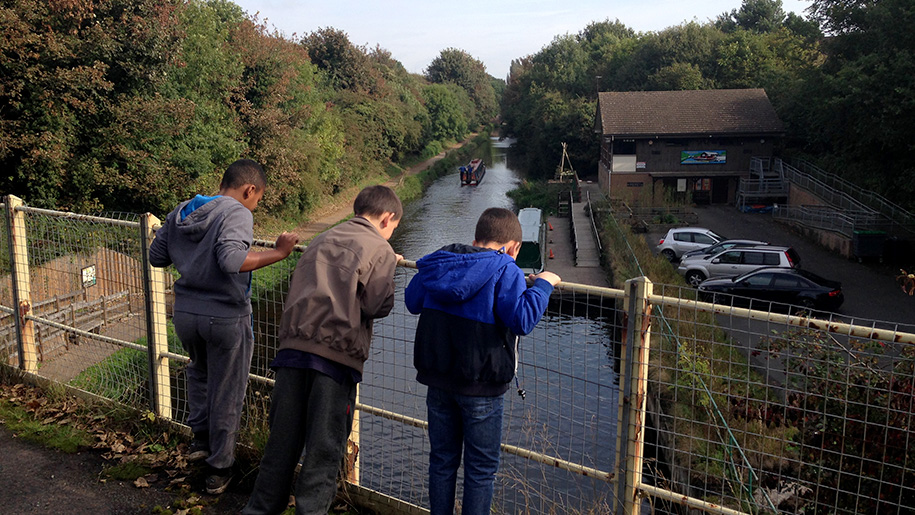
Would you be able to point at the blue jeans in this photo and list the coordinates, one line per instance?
(463, 423)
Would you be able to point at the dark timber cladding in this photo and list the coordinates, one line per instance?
(693, 144)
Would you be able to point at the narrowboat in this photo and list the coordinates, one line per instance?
(533, 241)
(473, 173)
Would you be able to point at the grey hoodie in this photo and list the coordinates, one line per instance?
(207, 239)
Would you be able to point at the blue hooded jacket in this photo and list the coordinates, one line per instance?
(473, 304)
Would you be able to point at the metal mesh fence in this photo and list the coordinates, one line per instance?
(559, 436)
(783, 413)
(753, 411)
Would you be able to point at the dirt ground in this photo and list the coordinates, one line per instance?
(38, 480)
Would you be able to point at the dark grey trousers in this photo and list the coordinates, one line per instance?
(309, 411)
(220, 350)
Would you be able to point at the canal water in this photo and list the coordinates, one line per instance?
(569, 409)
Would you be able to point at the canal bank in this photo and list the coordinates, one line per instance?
(331, 214)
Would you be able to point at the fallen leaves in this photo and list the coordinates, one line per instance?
(169, 463)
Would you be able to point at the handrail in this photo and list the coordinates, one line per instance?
(892, 210)
(594, 226)
(572, 229)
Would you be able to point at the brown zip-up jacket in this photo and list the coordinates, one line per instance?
(343, 281)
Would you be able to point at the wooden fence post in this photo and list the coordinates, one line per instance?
(633, 390)
(22, 289)
(160, 399)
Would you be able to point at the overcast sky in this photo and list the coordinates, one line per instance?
(493, 31)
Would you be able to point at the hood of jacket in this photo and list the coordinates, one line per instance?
(457, 272)
(197, 215)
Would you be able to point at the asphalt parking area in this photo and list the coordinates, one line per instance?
(871, 290)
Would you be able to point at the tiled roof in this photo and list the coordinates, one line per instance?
(713, 111)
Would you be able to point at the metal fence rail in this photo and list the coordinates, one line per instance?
(831, 219)
(875, 201)
(633, 399)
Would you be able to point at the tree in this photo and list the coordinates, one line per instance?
(754, 15)
(460, 68)
(73, 77)
(446, 116)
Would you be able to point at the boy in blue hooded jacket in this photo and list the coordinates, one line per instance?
(473, 304)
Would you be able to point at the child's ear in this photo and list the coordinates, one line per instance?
(513, 248)
(386, 220)
(250, 190)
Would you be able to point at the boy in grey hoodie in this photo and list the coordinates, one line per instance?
(208, 239)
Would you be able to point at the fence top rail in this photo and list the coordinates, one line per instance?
(842, 328)
(76, 216)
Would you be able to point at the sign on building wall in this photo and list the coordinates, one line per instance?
(703, 157)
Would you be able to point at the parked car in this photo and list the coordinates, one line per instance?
(680, 240)
(711, 250)
(783, 286)
(736, 261)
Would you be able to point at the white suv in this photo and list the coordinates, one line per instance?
(684, 239)
(736, 261)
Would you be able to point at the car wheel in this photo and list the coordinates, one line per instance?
(694, 277)
(669, 254)
(806, 306)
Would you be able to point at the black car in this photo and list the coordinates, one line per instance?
(774, 285)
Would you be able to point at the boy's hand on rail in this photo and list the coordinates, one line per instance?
(285, 242)
(549, 277)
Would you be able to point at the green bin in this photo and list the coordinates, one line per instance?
(868, 244)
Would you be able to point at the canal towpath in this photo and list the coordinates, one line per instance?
(333, 213)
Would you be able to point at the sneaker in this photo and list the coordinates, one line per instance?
(218, 481)
(198, 450)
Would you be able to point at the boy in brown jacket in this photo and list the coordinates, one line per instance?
(343, 281)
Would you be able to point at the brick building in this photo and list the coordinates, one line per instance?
(683, 144)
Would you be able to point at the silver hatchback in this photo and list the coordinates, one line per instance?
(680, 240)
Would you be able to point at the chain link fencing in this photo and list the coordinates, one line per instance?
(632, 400)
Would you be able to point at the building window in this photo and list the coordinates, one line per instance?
(624, 146)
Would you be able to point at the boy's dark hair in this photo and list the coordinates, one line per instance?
(376, 201)
(244, 171)
(498, 225)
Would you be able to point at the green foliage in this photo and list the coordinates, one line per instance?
(447, 117)
(851, 403)
(457, 67)
(63, 437)
(135, 106)
(128, 471)
(754, 15)
(540, 194)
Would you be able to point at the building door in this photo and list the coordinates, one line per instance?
(720, 190)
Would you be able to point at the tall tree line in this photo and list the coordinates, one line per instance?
(841, 79)
(137, 104)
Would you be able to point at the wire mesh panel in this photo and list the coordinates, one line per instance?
(87, 295)
(767, 413)
(559, 437)
(770, 411)
(8, 339)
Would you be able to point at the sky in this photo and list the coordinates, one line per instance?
(493, 31)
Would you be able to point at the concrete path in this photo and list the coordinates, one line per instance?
(587, 270)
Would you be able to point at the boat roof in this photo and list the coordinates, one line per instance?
(531, 219)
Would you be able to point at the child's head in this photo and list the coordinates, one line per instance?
(244, 180)
(497, 228)
(381, 206)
